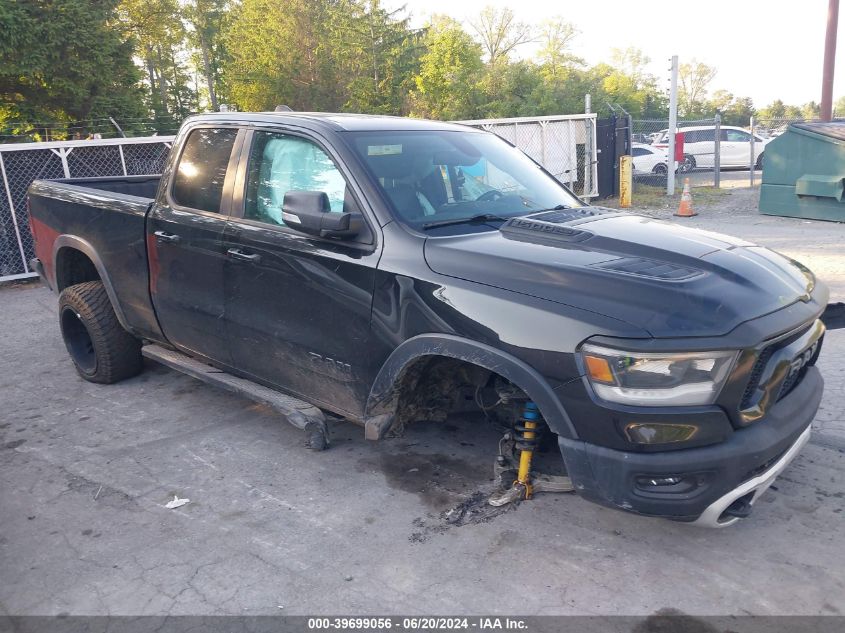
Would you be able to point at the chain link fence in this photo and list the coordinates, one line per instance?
(650, 148)
(715, 154)
(20, 164)
(564, 145)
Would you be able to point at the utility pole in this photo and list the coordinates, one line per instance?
(829, 59)
(673, 125)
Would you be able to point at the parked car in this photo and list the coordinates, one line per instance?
(700, 147)
(648, 160)
(392, 270)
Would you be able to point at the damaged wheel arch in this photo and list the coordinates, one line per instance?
(392, 377)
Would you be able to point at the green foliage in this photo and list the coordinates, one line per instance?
(777, 109)
(64, 60)
(379, 53)
(149, 63)
(447, 83)
(284, 53)
(694, 78)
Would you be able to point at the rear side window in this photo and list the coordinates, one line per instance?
(700, 136)
(201, 172)
(640, 151)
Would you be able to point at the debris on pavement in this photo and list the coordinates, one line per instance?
(176, 502)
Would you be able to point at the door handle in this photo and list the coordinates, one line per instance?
(163, 236)
(238, 254)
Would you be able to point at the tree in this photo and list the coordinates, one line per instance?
(206, 20)
(694, 79)
(839, 107)
(160, 35)
(63, 60)
(282, 54)
(811, 110)
(778, 110)
(626, 83)
(446, 84)
(500, 33)
(556, 36)
(378, 53)
(734, 110)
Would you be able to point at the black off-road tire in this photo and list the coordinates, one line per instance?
(101, 350)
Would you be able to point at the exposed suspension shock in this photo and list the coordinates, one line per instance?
(528, 430)
(527, 440)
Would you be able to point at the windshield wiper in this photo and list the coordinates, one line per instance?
(481, 217)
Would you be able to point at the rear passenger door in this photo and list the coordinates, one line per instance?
(184, 243)
(701, 144)
(298, 306)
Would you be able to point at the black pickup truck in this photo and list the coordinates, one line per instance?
(388, 270)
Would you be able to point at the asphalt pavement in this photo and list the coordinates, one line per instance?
(361, 528)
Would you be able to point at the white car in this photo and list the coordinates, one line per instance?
(649, 160)
(700, 147)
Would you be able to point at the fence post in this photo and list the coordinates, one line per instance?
(588, 154)
(122, 160)
(673, 124)
(717, 155)
(62, 154)
(751, 158)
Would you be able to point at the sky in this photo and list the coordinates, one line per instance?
(763, 50)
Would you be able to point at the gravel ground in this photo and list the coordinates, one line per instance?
(360, 529)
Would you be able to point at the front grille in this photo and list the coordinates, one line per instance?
(765, 356)
(756, 373)
(795, 378)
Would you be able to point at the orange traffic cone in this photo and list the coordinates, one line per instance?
(685, 208)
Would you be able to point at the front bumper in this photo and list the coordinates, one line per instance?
(712, 477)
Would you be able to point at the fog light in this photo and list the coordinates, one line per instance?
(655, 433)
(658, 481)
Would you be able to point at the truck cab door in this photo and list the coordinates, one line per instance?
(185, 242)
(297, 306)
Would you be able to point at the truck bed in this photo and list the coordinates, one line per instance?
(110, 212)
(133, 186)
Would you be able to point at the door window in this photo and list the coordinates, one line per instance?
(201, 172)
(700, 136)
(736, 136)
(279, 163)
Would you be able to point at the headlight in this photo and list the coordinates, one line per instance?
(655, 379)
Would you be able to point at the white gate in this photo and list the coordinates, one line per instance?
(21, 163)
(565, 145)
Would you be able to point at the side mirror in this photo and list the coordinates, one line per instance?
(310, 212)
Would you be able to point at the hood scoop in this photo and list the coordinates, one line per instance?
(649, 268)
(557, 225)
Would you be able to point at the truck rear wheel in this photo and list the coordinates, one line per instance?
(101, 350)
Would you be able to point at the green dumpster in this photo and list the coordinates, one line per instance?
(804, 172)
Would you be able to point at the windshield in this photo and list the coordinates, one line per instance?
(439, 176)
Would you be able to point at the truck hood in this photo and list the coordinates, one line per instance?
(666, 279)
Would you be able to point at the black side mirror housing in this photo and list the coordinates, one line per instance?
(310, 212)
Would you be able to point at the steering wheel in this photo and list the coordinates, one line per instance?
(490, 196)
